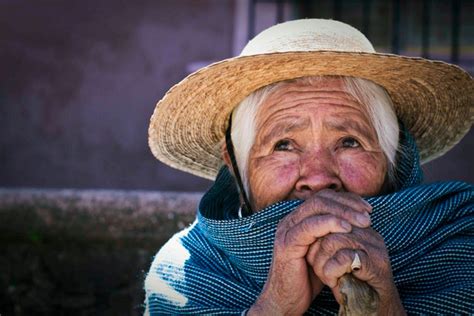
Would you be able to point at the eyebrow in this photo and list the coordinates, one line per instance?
(285, 128)
(346, 125)
(341, 125)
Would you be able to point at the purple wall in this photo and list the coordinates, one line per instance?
(79, 80)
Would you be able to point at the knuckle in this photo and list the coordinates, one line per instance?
(315, 203)
(288, 221)
(330, 220)
(279, 243)
(306, 226)
(291, 238)
(300, 212)
(342, 256)
(333, 221)
(346, 211)
(325, 222)
(291, 220)
(328, 243)
(326, 206)
(318, 202)
(348, 254)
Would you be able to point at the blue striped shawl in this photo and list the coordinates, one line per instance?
(219, 266)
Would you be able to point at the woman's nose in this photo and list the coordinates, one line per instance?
(317, 172)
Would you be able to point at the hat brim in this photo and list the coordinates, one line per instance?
(432, 98)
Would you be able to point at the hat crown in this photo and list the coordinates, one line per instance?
(308, 35)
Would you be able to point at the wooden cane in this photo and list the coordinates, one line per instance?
(359, 299)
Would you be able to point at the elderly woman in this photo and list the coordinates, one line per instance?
(316, 141)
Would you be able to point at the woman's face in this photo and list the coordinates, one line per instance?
(313, 138)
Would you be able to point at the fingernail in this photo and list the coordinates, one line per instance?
(363, 218)
(368, 205)
(346, 225)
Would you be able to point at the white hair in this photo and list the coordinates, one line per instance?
(373, 97)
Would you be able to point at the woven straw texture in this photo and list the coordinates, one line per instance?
(433, 99)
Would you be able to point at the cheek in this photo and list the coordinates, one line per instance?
(363, 173)
(271, 180)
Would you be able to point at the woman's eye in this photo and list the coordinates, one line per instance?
(350, 142)
(283, 145)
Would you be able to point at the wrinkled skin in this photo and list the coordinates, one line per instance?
(316, 143)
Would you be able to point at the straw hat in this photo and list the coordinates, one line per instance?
(433, 99)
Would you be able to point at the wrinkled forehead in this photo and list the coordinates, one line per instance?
(293, 97)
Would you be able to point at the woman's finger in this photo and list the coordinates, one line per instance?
(348, 198)
(309, 230)
(356, 215)
(333, 255)
(341, 263)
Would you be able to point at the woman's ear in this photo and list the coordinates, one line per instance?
(226, 158)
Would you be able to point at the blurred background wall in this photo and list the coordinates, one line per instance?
(79, 79)
(78, 83)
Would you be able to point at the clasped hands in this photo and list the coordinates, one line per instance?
(315, 245)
